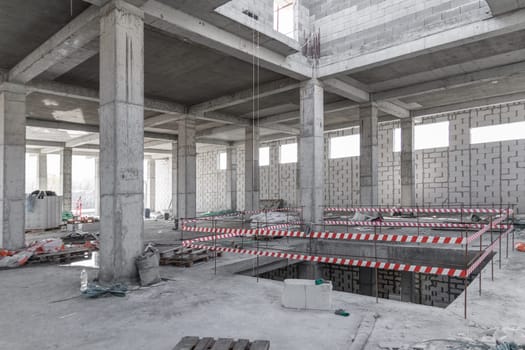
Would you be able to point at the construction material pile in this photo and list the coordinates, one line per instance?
(271, 219)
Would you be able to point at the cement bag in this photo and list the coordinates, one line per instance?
(148, 266)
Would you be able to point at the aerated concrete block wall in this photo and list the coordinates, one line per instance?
(483, 174)
(354, 27)
(211, 182)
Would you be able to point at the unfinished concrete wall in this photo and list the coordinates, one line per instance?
(354, 27)
(163, 173)
(279, 181)
(482, 174)
(211, 181)
(341, 175)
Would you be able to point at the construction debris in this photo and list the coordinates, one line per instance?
(191, 343)
(182, 256)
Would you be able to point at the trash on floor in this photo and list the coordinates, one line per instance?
(520, 247)
(95, 291)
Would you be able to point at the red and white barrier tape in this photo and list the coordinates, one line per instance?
(328, 260)
(408, 224)
(424, 210)
(487, 251)
(335, 235)
(486, 228)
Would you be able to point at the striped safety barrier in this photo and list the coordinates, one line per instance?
(324, 259)
(333, 235)
(487, 251)
(423, 210)
(410, 224)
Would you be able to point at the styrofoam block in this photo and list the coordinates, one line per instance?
(305, 294)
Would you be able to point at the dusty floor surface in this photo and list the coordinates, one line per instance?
(41, 309)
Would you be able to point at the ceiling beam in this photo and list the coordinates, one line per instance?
(472, 104)
(51, 124)
(82, 140)
(498, 7)
(393, 109)
(42, 143)
(262, 91)
(222, 118)
(81, 93)
(343, 89)
(160, 119)
(451, 38)
(170, 20)
(68, 40)
(456, 81)
(293, 115)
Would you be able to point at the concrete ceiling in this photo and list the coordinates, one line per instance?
(466, 58)
(24, 25)
(179, 71)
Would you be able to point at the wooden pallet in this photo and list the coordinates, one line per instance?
(182, 256)
(65, 256)
(196, 343)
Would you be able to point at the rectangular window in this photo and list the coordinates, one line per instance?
(344, 146)
(264, 156)
(496, 133)
(288, 153)
(223, 164)
(431, 135)
(283, 21)
(397, 140)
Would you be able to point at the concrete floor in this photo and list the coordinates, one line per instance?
(44, 310)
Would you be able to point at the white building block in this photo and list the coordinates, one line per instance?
(305, 294)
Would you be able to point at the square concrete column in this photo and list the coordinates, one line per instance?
(310, 176)
(97, 186)
(121, 140)
(368, 177)
(12, 160)
(251, 169)
(408, 195)
(174, 183)
(42, 171)
(186, 169)
(151, 184)
(67, 178)
(231, 178)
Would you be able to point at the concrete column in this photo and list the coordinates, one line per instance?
(367, 281)
(186, 169)
(97, 186)
(42, 171)
(67, 178)
(231, 178)
(368, 177)
(151, 184)
(12, 169)
(310, 177)
(174, 183)
(251, 169)
(408, 284)
(408, 195)
(121, 140)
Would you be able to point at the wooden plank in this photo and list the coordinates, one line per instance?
(223, 344)
(187, 343)
(260, 345)
(241, 344)
(205, 344)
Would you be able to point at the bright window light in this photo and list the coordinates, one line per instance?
(344, 146)
(264, 156)
(223, 161)
(288, 153)
(431, 135)
(397, 140)
(496, 133)
(283, 21)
